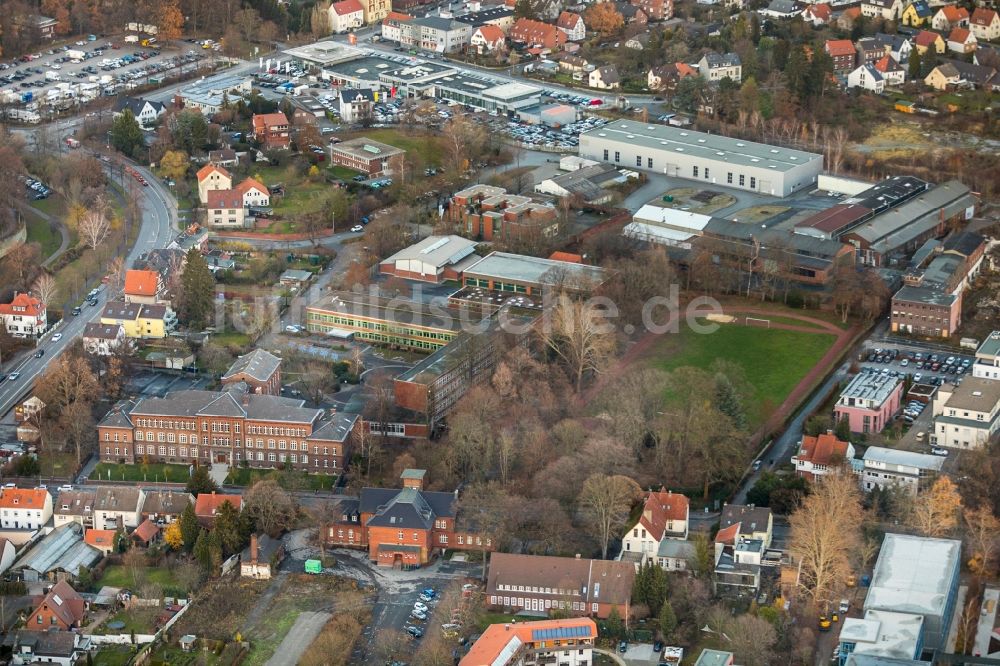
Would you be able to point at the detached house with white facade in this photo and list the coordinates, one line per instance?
(145, 111)
(25, 316)
(967, 416)
(714, 67)
(25, 508)
(660, 533)
(346, 15)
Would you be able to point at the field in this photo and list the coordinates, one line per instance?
(57, 464)
(302, 195)
(140, 472)
(773, 360)
(427, 146)
(118, 576)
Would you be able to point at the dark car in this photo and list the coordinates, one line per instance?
(658, 647)
(76, 311)
(623, 647)
(40, 353)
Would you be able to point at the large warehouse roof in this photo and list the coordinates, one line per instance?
(913, 574)
(436, 251)
(708, 146)
(521, 268)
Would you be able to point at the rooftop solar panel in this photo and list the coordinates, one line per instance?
(580, 631)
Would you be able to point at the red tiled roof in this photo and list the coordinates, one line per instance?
(840, 47)
(142, 283)
(851, 12)
(661, 507)
(148, 529)
(208, 504)
(70, 607)
(22, 304)
(345, 7)
(397, 16)
(23, 498)
(684, 69)
(568, 20)
(822, 449)
(219, 199)
(566, 256)
(207, 170)
(494, 641)
(926, 38)
(982, 16)
(887, 64)
(263, 121)
(959, 36)
(100, 539)
(251, 183)
(491, 33)
(728, 535)
(955, 14)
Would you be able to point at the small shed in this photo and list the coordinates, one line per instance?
(295, 278)
(187, 642)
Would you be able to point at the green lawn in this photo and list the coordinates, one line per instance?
(428, 146)
(231, 339)
(113, 656)
(774, 360)
(342, 172)
(138, 622)
(57, 464)
(117, 575)
(244, 476)
(140, 472)
(39, 231)
(52, 206)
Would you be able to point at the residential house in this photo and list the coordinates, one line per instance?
(714, 67)
(913, 472)
(781, 9)
(572, 26)
(165, 506)
(225, 157)
(261, 558)
(574, 64)
(568, 642)
(821, 455)
(891, 70)
(25, 508)
(869, 402)
(664, 517)
(75, 506)
(213, 177)
(666, 77)
(890, 10)
(103, 339)
(25, 316)
(868, 78)
(638, 41)
(985, 24)
(116, 507)
(144, 110)
(897, 46)
(392, 26)
(61, 648)
(488, 39)
(142, 286)
(578, 586)
(102, 540)
(29, 409)
(967, 416)
(986, 56)
(929, 41)
(270, 130)
(842, 53)
(818, 14)
(260, 370)
(147, 534)
(375, 10)
(356, 104)
(738, 560)
(949, 17)
(139, 321)
(207, 505)
(436, 33)
(224, 208)
(346, 16)
(656, 10)
(961, 40)
(753, 522)
(37, 26)
(632, 14)
(403, 527)
(954, 74)
(917, 14)
(499, 15)
(869, 49)
(987, 364)
(255, 194)
(535, 33)
(604, 78)
(60, 553)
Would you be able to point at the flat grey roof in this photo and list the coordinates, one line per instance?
(487, 86)
(434, 315)
(927, 295)
(914, 574)
(990, 346)
(896, 225)
(699, 144)
(522, 268)
(417, 71)
(366, 148)
(975, 394)
(366, 68)
(908, 458)
(870, 386)
(322, 53)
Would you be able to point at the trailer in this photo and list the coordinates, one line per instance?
(131, 39)
(76, 54)
(52, 76)
(314, 567)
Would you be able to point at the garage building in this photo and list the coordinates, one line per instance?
(434, 259)
(712, 159)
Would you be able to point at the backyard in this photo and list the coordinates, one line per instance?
(773, 360)
(117, 575)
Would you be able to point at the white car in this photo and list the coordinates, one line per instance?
(65, 488)
(356, 228)
(420, 606)
(938, 451)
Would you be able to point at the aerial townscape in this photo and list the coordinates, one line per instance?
(500, 332)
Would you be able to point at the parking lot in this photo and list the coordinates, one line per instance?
(88, 69)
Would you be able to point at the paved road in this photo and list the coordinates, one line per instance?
(298, 639)
(157, 229)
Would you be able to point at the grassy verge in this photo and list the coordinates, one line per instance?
(773, 360)
(114, 656)
(342, 172)
(231, 339)
(245, 476)
(141, 472)
(263, 648)
(57, 464)
(41, 232)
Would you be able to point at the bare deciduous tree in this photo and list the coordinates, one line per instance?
(981, 530)
(94, 227)
(826, 531)
(606, 502)
(577, 333)
(269, 506)
(46, 289)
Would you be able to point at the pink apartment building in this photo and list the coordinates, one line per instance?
(869, 402)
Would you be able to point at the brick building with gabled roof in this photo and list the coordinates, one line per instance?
(207, 505)
(62, 608)
(260, 370)
(842, 52)
(535, 33)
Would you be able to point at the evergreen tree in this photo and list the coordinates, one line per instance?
(524, 9)
(650, 586)
(915, 65)
(797, 72)
(613, 627)
(729, 402)
(126, 134)
(214, 552)
(668, 620)
(228, 529)
(200, 482)
(196, 291)
(189, 527)
(202, 550)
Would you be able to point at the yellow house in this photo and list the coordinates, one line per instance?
(917, 14)
(139, 320)
(926, 39)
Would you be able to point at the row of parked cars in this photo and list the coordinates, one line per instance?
(36, 188)
(567, 98)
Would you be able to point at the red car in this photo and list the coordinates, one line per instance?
(596, 102)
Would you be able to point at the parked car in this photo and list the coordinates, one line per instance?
(938, 451)
(356, 228)
(420, 606)
(40, 353)
(57, 337)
